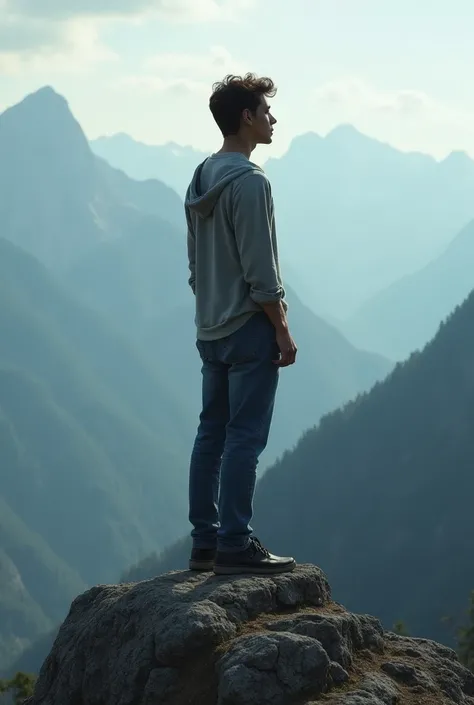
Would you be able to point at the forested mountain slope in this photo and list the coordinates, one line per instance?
(379, 493)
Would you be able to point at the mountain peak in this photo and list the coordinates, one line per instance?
(45, 99)
(300, 146)
(349, 139)
(458, 159)
(306, 139)
(45, 93)
(43, 109)
(347, 131)
(43, 129)
(47, 166)
(348, 136)
(345, 135)
(118, 138)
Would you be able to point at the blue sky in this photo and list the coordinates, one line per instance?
(146, 66)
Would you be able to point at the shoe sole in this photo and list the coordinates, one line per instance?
(201, 565)
(253, 570)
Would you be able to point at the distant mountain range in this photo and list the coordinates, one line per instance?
(354, 215)
(93, 463)
(405, 316)
(93, 468)
(99, 377)
(171, 163)
(57, 200)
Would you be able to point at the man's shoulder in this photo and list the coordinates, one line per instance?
(254, 178)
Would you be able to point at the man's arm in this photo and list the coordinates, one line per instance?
(277, 315)
(191, 253)
(253, 224)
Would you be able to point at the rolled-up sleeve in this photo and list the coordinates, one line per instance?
(255, 238)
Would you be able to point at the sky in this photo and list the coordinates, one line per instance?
(146, 67)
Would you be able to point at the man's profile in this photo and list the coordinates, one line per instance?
(242, 331)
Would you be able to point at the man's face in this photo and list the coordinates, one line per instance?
(261, 123)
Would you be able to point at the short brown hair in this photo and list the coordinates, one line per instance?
(235, 94)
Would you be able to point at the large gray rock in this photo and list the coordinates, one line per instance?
(197, 639)
(268, 668)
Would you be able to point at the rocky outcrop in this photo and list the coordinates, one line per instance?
(198, 639)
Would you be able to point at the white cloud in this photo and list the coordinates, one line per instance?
(407, 118)
(18, 34)
(407, 102)
(205, 10)
(355, 94)
(199, 66)
(187, 10)
(169, 97)
(353, 98)
(154, 84)
(64, 9)
(64, 35)
(76, 50)
(180, 73)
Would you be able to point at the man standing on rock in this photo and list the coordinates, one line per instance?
(242, 330)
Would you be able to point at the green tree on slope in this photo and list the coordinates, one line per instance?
(466, 637)
(21, 686)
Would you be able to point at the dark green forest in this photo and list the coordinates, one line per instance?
(379, 494)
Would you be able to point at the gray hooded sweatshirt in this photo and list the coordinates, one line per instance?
(232, 246)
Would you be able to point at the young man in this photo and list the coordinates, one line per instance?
(242, 330)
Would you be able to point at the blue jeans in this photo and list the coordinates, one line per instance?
(239, 386)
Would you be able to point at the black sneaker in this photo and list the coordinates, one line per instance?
(202, 559)
(255, 559)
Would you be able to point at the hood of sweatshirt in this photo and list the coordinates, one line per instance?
(212, 176)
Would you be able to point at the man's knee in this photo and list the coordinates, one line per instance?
(210, 437)
(247, 444)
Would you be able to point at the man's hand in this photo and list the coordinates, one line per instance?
(287, 347)
(277, 315)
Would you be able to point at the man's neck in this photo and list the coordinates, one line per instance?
(235, 143)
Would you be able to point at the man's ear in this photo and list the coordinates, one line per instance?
(247, 116)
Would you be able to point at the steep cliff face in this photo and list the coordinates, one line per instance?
(194, 639)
